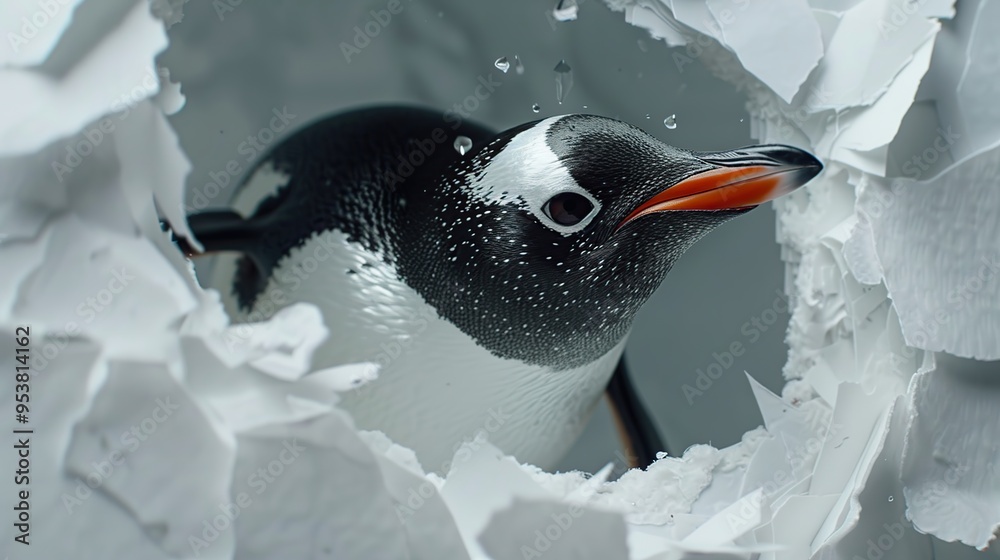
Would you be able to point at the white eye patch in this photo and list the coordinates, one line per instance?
(528, 169)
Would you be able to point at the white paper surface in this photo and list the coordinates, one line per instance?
(783, 57)
(159, 418)
(865, 54)
(33, 29)
(950, 455)
(314, 469)
(554, 530)
(941, 225)
(116, 73)
(881, 270)
(868, 430)
(962, 80)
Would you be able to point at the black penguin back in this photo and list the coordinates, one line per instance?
(344, 172)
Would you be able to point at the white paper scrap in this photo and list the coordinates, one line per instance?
(557, 530)
(943, 225)
(32, 29)
(116, 74)
(865, 54)
(165, 459)
(782, 57)
(951, 453)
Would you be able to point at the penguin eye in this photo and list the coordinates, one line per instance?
(568, 208)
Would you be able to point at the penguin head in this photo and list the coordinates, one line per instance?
(544, 243)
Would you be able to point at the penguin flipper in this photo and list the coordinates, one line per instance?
(635, 427)
(221, 230)
(228, 231)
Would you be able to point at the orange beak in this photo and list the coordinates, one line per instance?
(742, 179)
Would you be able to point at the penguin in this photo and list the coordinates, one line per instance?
(493, 277)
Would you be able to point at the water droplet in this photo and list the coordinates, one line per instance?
(890, 498)
(647, 115)
(661, 454)
(518, 67)
(642, 45)
(463, 144)
(584, 106)
(535, 108)
(565, 10)
(564, 80)
(741, 120)
(670, 122)
(502, 64)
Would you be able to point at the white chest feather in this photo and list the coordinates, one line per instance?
(436, 387)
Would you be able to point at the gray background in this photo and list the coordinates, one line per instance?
(265, 55)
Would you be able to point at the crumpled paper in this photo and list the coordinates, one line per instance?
(891, 256)
(164, 431)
